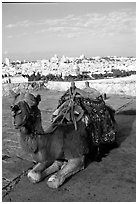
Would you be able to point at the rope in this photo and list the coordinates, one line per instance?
(123, 106)
(70, 106)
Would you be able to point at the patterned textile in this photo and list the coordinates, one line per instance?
(101, 120)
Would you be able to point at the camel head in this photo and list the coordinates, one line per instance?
(24, 109)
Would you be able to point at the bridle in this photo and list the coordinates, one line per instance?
(29, 113)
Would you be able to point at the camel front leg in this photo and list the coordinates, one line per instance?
(67, 170)
(41, 170)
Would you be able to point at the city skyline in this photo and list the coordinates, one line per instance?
(34, 31)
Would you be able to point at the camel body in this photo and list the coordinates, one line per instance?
(62, 150)
(62, 144)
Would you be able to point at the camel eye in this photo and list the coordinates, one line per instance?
(16, 109)
(11, 107)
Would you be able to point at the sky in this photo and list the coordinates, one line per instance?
(33, 31)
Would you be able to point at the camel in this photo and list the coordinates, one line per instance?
(59, 151)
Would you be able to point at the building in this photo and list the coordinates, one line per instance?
(7, 61)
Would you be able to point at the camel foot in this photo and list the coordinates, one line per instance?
(55, 181)
(34, 177)
(67, 169)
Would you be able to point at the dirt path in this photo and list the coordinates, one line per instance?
(111, 180)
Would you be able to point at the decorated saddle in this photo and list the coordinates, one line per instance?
(77, 106)
(101, 120)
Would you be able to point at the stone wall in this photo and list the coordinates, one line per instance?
(125, 85)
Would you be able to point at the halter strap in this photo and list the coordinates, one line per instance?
(28, 112)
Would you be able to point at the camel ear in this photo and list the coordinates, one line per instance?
(12, 97)
(13, 94)
(38, 99)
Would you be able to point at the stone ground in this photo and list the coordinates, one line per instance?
(111, 180)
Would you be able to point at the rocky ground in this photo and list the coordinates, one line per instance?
(111, 180)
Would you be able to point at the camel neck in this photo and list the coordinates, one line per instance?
(33, 127)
